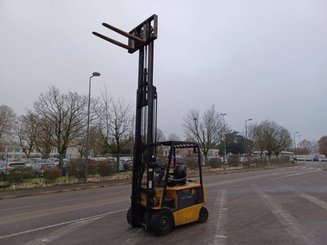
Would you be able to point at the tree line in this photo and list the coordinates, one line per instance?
(210, 130)
(58, 120)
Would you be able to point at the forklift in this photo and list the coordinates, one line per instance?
(163, 196)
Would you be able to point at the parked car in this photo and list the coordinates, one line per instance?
(64, 167)
(122, 166)
(15, 164)
(6, 167)
(125, 164)
(31, 161)
(40, 168)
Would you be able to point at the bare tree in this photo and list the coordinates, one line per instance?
(26, 131)
(249, 139)
(95, 135)
(256, 136)
(269, 136)
(207, 130)
(97, 143)
(173, 137)
(323, 145)
(64, 117)
(7, 122)
(44, 137)
(160, 135)
(283, 140)
(116, 122)
(305, 145)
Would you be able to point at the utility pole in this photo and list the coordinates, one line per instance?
(224, 137)
(246, 138)
(295, 146)
(94, 74)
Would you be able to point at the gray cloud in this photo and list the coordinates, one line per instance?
(252, 59)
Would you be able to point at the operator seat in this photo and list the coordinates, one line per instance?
(179, 177)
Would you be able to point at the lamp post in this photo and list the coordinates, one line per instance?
(94, 74)
(246, 136)
(224, 137)
(295, 146)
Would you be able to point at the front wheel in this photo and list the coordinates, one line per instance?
(203, 215)
(162, 222)
(129, 216)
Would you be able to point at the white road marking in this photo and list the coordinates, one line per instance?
(241, 179)
(18, 216)
(310, 198)
(221, 231)
(135, 237)
(291, 175)
(61, 224)
(62, 231)
(292, 226)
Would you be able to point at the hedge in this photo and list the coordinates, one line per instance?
(51, 174)
(18, 174)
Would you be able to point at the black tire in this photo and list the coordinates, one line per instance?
(162, 222)
(129, 216)
(203, 215)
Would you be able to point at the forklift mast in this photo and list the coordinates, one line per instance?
(142, 38)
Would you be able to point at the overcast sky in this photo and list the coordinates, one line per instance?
(258, 59)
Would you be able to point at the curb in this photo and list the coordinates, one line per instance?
(37, 193)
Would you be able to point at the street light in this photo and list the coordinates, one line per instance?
(94, 74)
(246, 135)
(295, 145)
(224, 136)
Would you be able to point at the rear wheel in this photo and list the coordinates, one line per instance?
(162, 222)
(203, 215)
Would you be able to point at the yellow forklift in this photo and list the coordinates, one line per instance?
(175, 199)
(163, 196)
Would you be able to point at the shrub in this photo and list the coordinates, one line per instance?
(113, 166)
(234, 160)
(261, 161)
(284, 159)
(76, 168)
(191, 163)
(215, 162)
(3, 177)
(17, 175)
(104, 169)
(92, 167)
(51, 174)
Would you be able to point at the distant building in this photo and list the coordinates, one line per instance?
(14, 152)
(265, 153)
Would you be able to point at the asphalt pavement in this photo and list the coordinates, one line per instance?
(275, 206)
(10, 194)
